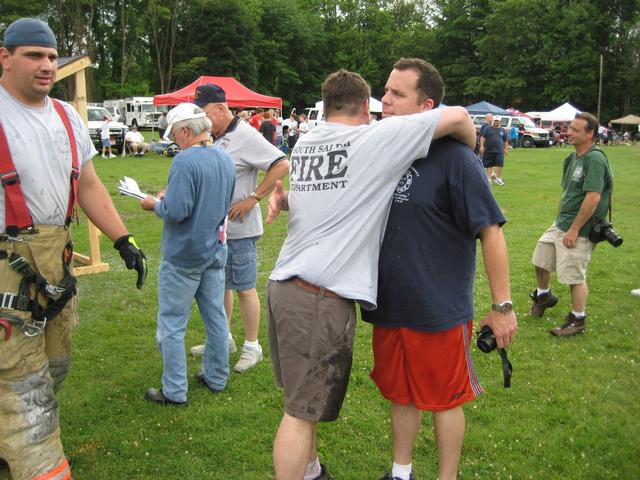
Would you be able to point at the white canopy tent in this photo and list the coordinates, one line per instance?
(564, 113)
(375, 106)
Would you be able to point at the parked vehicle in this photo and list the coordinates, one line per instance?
(532, 135)
(135, 111)
(117, 130)
(315, 115)
(116, 109)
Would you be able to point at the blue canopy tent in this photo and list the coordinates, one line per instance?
(481, 108)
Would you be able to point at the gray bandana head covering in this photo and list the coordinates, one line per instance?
(29, 31)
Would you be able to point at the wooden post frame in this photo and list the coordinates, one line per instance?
(76, 66)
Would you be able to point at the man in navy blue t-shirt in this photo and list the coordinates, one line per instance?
(423, 323)
(494, 141)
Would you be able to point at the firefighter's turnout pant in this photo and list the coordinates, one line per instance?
(32, 368)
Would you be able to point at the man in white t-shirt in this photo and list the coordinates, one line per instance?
(343, 175)
(251, 153)
(134, 142)
(47, 146)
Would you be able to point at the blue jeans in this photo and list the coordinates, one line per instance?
(176, 289)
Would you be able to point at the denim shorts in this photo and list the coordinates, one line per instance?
(241, 270)
(106, 142)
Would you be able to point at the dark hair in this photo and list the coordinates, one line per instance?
(430, 83)
(343, 92)
(592, 121)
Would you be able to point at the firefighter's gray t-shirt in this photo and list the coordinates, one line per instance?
(342, 181)
(250, 153)
(40, 149)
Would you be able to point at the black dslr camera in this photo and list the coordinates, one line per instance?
(486, 340)
(602, 231)
(487, 343)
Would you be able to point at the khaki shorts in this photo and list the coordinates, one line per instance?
(311, 342)
(570, 264)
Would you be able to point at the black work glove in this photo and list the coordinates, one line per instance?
(133, 257)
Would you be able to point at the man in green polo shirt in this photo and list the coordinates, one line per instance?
(565, 247)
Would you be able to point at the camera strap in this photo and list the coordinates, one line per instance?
(507, 368)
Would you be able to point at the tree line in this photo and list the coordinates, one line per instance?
(531, 54)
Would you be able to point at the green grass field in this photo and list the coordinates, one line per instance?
(572, 411)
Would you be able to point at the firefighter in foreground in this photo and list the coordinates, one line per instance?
(46, 170)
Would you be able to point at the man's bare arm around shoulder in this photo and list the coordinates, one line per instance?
(456, 122)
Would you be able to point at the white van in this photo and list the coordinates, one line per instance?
(532, 136)
(315, 115)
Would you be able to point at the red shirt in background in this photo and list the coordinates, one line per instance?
(255, 121)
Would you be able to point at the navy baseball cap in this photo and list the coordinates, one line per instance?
(29, 31)
(209, 93)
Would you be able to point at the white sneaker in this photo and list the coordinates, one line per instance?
(499, 181)
(493, 175)
(197, 351)
(111, 155)
(636, 292)
(248, 359)
(104, 156)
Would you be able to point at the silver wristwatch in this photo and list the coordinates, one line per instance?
(504, 307)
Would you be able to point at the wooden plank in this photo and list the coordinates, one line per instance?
(92, 263)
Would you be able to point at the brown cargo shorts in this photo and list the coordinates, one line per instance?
(311, 341)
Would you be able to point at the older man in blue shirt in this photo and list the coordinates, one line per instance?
(194, 210)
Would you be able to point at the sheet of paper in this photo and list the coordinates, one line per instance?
(128, 186)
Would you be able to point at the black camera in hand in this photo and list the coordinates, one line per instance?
(602, 231)
(487, 343)
(486, 340)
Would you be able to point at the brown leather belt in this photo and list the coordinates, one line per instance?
(313, 288)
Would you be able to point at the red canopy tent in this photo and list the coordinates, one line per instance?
(238, 95)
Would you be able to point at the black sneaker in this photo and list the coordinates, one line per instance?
(572, 326)
(389, 477)
(203, 381)
(156, 396)
(541, 302)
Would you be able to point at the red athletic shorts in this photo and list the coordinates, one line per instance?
(432, 370)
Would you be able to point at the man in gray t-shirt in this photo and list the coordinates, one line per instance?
(343, 174)
(251, 154)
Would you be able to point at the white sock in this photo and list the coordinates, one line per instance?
(252, 345)
(543, 290)
(578, 314)
(313, 469)
(230, 336)
(403, 472)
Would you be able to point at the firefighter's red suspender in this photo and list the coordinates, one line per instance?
(17, 216)
(75, 170)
